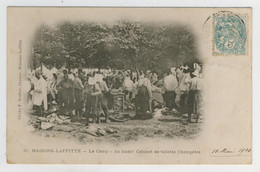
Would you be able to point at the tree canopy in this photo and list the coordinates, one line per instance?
(125, 44)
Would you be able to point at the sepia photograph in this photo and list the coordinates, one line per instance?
(118, 82)
(129, 85)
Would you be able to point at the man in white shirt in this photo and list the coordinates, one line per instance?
(170, 85)
(128, 86)
(40, 92)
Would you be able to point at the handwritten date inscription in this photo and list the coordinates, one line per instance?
(226, 152)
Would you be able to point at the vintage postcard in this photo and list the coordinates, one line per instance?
(129, 85)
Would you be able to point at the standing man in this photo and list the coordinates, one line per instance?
(81, 75)
(92, 93)
(184, 87)
(128, 87)
(143, 98)
(103, 98)
(195, 97)
(78, 95)
(170, 85)
(66, 94)
(40, 93)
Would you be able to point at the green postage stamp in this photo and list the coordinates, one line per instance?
(229, 34)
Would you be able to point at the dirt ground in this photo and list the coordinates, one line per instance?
(119, 132)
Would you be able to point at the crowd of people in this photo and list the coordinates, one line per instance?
(85, 93)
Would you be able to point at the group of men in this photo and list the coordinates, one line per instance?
(183, 90)
(84, 94)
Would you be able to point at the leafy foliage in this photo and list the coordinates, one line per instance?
(124, 45)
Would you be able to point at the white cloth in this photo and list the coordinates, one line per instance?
(184, 84)
(60, 75)
(46, 72)
(128, 84)
(71, 76)
(54, 70)
(146, 82)
(170, 82)
(197, 67)
(52, 87)
(196, 83)
(98, 77)
(40, 93)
